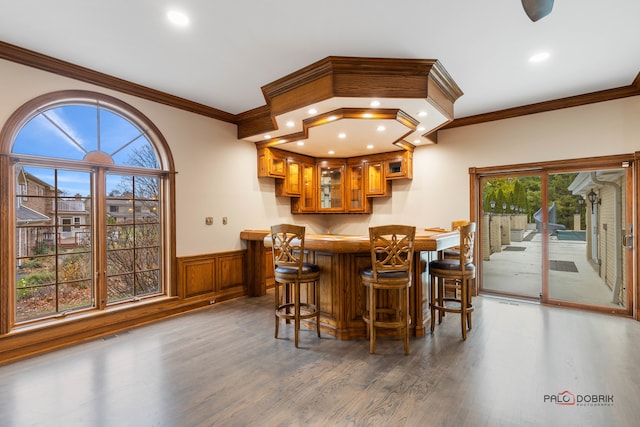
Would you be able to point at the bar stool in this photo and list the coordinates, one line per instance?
(454, 253)
(290, 273)
(390, 272)
(460, 271)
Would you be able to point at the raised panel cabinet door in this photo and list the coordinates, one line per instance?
(375, 180)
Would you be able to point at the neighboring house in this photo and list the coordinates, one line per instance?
(605, 196)
(37, 205)
(122, 210)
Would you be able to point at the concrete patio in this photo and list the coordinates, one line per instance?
(517, 270)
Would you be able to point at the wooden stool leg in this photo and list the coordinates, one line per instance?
(296, 310)
(405, 312)
(463, 308)
(432, 300)
(372, 319)
(469, 296)
(440, 281)
(316, 294)
(277, 300)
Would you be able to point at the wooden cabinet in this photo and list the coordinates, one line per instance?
(330, 178)
(376, 182)
(306, 203)
(333, 185)
(271, 163)
(291, 184)
(399, 165)
(357, 202)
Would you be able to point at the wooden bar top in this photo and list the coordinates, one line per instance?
(427, 240)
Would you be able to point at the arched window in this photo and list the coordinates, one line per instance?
(89, 198)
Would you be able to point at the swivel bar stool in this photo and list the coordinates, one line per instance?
(290, 273)
(460, 271)
(387, 281)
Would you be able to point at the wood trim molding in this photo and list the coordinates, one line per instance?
(557, 104)
(259, 119)
(47, 63)
(584, 163)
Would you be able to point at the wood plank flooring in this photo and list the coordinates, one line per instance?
(221, 366)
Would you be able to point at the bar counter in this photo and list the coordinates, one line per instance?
(341, 258)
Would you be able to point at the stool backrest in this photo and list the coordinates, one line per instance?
(287, 242)
(455, 225)
(467, 239)
(392, 249)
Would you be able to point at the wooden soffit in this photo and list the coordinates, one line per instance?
(350, 83)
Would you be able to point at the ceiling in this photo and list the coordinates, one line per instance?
(232, 49)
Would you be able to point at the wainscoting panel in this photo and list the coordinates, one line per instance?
(217, 276)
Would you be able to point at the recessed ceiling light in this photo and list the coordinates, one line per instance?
(332, 152)
(267, 136)
(367, 115)
(342, 135)
(370, 146)
(539, 57)
(422, 113)
(381, 128)
(416, 141)
(299, 143)
(421, 128)
(312, 111)
(290, 123)
(375, 103)
(178, 18)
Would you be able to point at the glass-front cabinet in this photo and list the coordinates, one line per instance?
(356, 200)
(307, 200)
(330, 183)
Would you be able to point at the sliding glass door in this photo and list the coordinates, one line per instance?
(588, 250)
(561, 236)
(511, 244)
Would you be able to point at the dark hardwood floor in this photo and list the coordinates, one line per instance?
(221, 366)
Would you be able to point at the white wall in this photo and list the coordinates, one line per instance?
(217, 174)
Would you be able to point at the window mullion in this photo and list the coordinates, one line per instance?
(100, 245)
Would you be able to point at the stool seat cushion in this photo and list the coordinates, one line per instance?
(306, 269)
(453, 252)
(450, 264)
(368, 273)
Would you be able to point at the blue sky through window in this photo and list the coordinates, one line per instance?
(71, 131)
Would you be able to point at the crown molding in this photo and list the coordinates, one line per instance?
(556, 104)
(56, 66)
(252, 121)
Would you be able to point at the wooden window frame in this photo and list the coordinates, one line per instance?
(165, 173)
